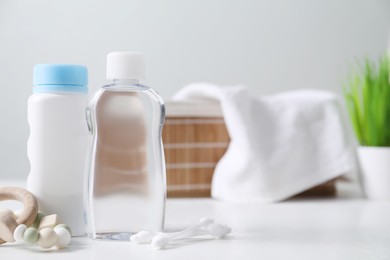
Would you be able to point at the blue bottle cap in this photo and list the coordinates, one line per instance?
(60, 78)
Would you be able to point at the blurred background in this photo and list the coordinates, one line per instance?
(269, 46)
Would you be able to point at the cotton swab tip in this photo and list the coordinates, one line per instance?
(206, 221)
(218, 230)
(160, 241)
(143, 237)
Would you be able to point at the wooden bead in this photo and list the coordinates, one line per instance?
(7, 225)
(31, 235)
(47, 238)
(49, 221)
(19, 231)
(63, 237)
(64, 226)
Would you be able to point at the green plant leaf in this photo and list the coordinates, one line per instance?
(367, 95)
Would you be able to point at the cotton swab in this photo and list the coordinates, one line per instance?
(206, 226)
(162, 240)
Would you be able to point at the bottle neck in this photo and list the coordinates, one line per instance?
(126, 81)
(122, 84)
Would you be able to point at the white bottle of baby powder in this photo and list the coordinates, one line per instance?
(58, 140)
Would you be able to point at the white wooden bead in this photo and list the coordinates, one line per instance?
(19, 231)
(47, 238)
(63, 237)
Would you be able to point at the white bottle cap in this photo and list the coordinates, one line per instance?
(125, 65)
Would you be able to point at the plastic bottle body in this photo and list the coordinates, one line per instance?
(56, 150)
(126, 183)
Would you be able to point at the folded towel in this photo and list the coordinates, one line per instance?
(280, 144)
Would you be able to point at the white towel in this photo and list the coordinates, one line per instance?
(280, 145)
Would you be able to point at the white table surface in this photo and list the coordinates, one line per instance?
(347, 227)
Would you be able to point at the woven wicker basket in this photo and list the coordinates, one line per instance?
(192, 147)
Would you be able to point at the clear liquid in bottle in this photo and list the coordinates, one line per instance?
(126, 184)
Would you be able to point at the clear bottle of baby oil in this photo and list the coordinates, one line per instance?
(126, 186)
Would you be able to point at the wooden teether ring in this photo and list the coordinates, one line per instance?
(29, 213)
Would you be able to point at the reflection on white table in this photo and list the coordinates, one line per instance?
(346, 227)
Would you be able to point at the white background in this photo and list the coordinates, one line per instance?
(268, 45)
